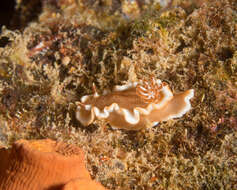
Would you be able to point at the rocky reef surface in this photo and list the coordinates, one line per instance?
(57, 56)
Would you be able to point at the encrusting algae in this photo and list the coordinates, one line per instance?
(135, 105)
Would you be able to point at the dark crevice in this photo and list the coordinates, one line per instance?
(225, 53)
(4, 41)
(6, 12)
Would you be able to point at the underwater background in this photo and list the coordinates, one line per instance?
(52, 52)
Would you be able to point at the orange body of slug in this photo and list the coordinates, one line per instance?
(135, 105)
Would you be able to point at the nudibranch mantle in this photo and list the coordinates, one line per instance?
(135, 105)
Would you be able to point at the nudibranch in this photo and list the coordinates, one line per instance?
(135, 105)
(44, 164)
